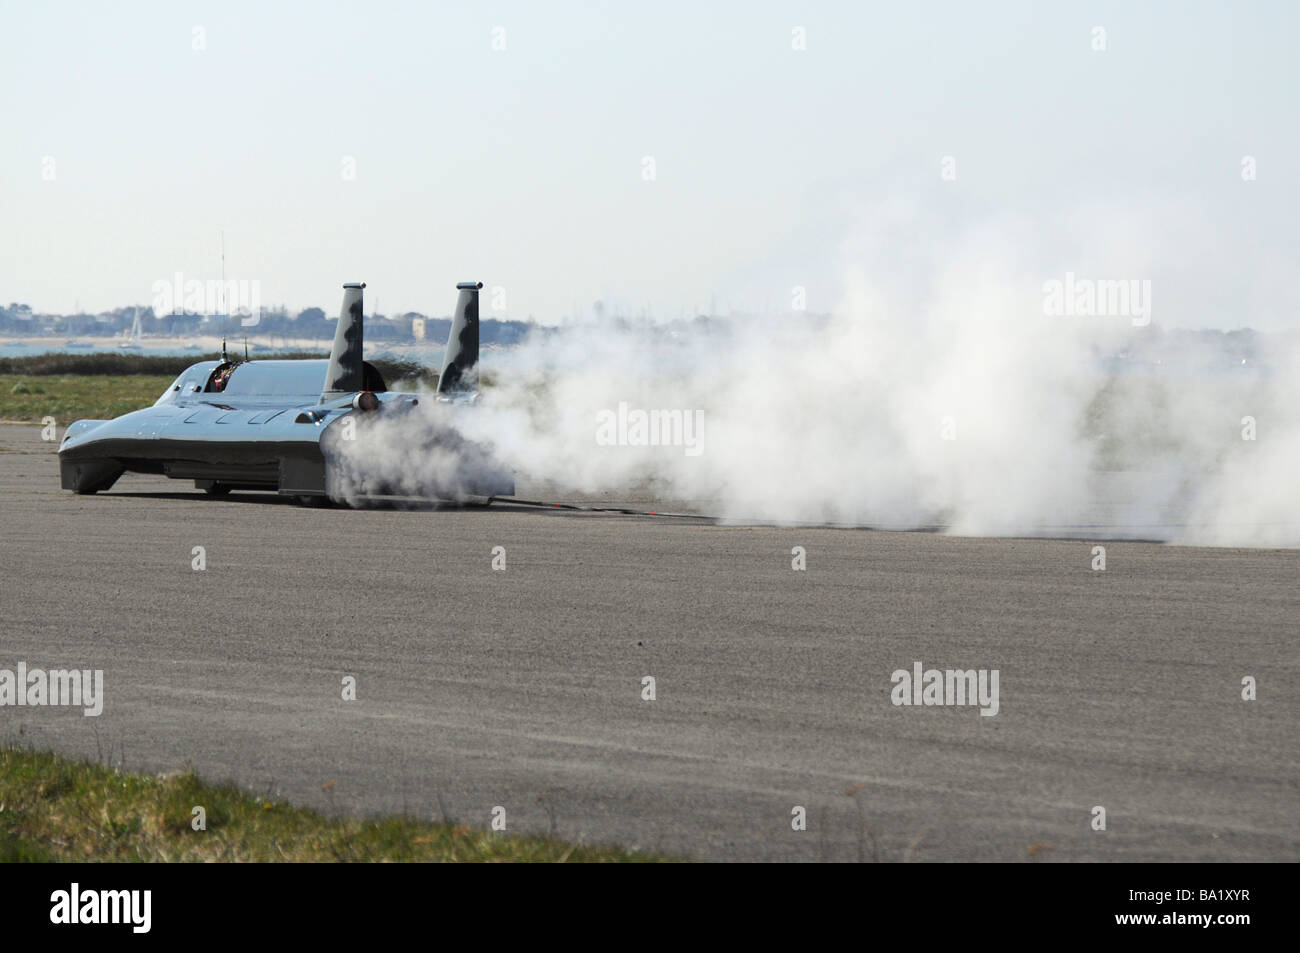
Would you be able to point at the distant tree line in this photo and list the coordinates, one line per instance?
(310, 324)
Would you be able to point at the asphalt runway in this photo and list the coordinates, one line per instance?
(523, 688)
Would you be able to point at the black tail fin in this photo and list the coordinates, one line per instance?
(346, 370)
(460, 363)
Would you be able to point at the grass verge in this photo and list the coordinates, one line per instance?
(54, 809)
(28, 397)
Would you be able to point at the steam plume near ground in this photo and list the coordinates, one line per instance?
(939, 394)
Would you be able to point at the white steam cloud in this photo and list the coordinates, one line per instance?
(939, 394)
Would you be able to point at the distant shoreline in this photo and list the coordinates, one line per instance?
(200, 346)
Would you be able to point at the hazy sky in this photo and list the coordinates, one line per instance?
(126, 149)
